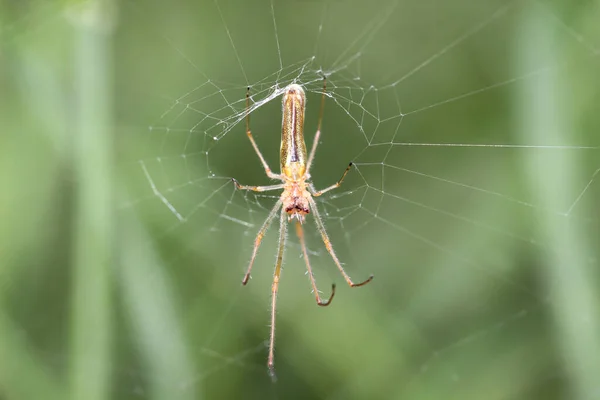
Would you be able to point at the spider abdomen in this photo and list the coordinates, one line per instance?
(293, 148)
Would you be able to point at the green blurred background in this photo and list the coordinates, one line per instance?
(485, 257)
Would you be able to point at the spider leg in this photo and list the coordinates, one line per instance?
(325, 237)
(335, 185)
(300, 233)
(315, 143)
(256, 188)
(268, 171)
(259, 237)
(274, 289)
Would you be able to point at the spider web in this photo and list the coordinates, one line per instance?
(449, 203)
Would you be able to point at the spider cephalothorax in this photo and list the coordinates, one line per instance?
(296, 200)
(296, 206)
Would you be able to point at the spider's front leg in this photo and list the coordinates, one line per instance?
(268, 171)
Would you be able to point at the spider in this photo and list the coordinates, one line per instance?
(296, 200)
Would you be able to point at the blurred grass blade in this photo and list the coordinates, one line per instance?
(91, 319)
(543, 103)
(152, 312)
(20, 367)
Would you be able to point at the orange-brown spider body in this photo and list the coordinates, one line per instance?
(293, 154)
(296, 200)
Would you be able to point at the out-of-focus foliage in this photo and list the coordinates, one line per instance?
(485, 258)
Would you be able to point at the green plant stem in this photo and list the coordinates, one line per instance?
(91, 319)
(566, 272)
